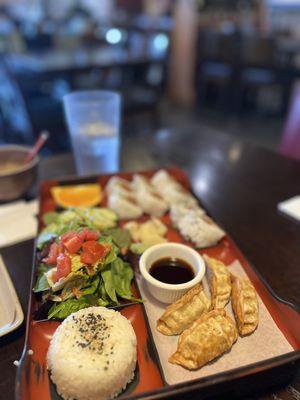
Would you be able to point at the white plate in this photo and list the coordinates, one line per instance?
(11, 314)
(291, 207)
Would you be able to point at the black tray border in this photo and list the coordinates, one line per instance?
(168, 391)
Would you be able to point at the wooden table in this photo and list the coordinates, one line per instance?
(238, 183)
(57, 61)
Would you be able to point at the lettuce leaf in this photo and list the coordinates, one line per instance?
(41, 284)
(121, 237)
(50, 217)
(44, 238)
(63, 309)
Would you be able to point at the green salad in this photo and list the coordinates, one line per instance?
(81, 261)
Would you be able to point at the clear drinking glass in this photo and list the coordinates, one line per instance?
(93, 119)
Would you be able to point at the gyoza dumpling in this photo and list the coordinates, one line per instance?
(220, 282)
(244, 305)
(201, 230)
(124, 206)
(210, 336)
(147, 197)
(181, 314)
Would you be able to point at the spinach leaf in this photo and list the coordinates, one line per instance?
(103, 299)
(76, 281)
(121, 237)
(92, 286)
(63, 309)
(122, 275)
(109, 284)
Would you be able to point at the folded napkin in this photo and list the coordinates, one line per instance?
(18, 222)
(291, 207)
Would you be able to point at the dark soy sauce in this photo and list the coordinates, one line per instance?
(172, 270)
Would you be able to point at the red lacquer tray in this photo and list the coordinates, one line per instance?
(33, 383)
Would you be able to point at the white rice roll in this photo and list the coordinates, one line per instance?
(141, 182)
(202, 231)
(124, 206)
(151, 203)
(161, 179)
(175, 193)
(147, 197)
(118, 189)
(179, 210)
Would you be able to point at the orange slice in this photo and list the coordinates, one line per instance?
(88, 195)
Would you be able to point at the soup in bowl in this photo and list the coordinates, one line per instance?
(16, 178)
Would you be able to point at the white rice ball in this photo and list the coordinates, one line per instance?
(92, 354)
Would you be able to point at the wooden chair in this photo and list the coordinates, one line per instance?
(290, 143)
(216, 62)
(258, 67)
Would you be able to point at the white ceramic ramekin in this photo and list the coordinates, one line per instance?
(165, 292)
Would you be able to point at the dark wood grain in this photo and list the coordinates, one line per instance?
(238, 183)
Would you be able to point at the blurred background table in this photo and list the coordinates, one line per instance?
(240, 185)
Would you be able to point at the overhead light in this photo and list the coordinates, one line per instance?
(161, 42)
(113, 36)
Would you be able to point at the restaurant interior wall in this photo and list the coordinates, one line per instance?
(245, 62)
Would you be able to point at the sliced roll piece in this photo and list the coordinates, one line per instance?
(200, 229)
(180, 210)
(171, 190)
(119, 184)
(147, 197)
(124, 206)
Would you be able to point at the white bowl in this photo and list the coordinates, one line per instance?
(166, 292)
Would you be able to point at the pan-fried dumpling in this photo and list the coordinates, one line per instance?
(210, 336)
(244, 305)
(220, 283)
(181, 314)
